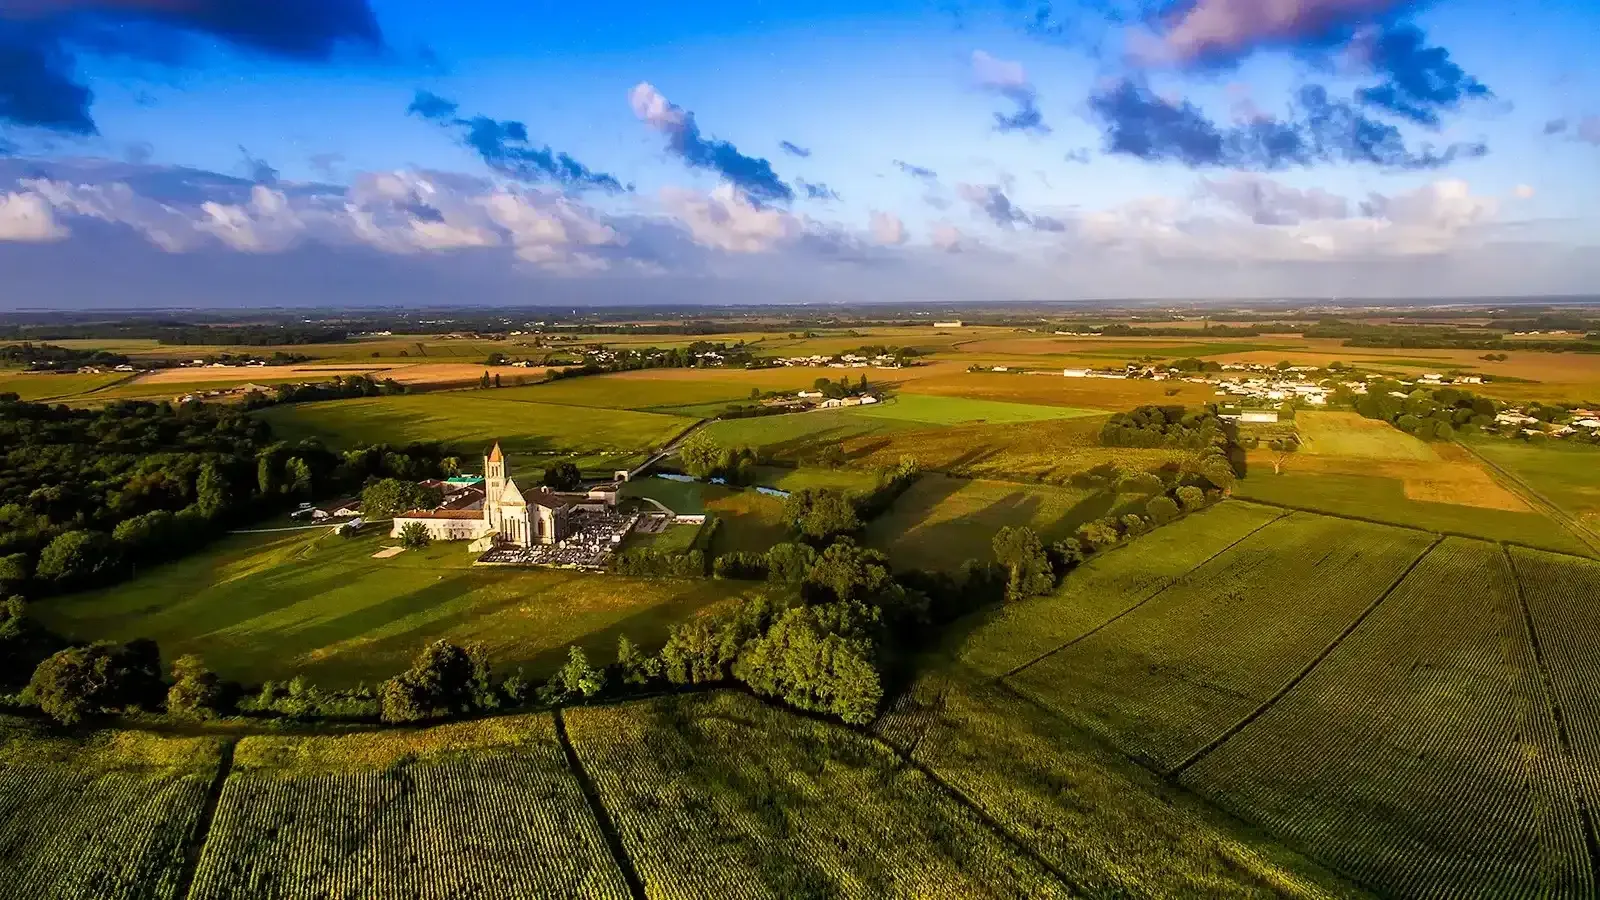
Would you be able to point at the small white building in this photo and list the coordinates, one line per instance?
(1259, 416)
(955, 324)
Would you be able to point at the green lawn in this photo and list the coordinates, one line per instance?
(276, 605)
(1383, 499)
(49, 386)
(470, 421)
(750, 520)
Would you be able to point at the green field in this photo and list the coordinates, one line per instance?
(722, 796)
(469, 421)
(444, 813)
(1419, 737)
(1348, 434)
(1383, 499)
(1566, 475)
(1106, 586)
(632, 390)
(38, 388)
(797, 435)
(940, 522)
(931, 410)
(270, 606)
(1184, 666)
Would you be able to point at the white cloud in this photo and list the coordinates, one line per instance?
(727, 220)
(265, 224)
(1268, 202)
(946, 237)
(160, 224)
(887, 229)
(1524, 191)
(999, 74)
(29, 217)
(654, 109)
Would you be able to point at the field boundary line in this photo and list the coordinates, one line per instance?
(1192, 569)
(1290, 685)
(988, 821)
(1527, 492)
(602, 816)
(196, 846)
(1435, 531)
(1569, 759)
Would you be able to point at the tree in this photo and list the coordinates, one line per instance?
(77, 557)
(387, 497)
(297, 477)
(444, 679)
(576, 678)
(211, 492)
(196, 691)
(1027, 564)
(483, 382)
(816, 658)
(497, 379)
(1282, 450)
(1099, 534)
(563, 476)
(634, 667)
(820, 514)
(1191, 498)
(104, 677)
(415, 536)
(789, 563)
(13, 571)
(1161, 510)
(832, 456)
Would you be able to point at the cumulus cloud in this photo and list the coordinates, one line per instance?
(38, 39)
(751, 174)
(28, 217)
(726, 219)
(1010, 80)
(1419, 80)
(990, 200)
(1139, 123)
(265, 224)
(1211, 31)
(1268, 202)
(505, 148)
(887, 229)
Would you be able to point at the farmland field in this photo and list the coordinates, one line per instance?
(109, 817)
(1353, 435)
(269, 606)
(37, 388)
(1187, 664)
(1567, 476)
(718, 795)
(1384, 499)
(797, 436)
(643, 390)
(1419, 737)
(471, 420)
(1115, 830)
(933, 410)
(1106, 586)
(939, 522)
(477, 809)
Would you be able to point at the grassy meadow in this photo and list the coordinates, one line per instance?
(468, 421)
(270, 606)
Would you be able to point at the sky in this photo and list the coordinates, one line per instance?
(250, 153)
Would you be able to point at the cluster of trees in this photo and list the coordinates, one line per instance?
(703, 457)
(650, 562)
(1164, 426)
(1433, 414)
(844, 387)
(49, 357)
(820, 514)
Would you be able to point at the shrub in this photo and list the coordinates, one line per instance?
(1191, 498)
(196, 691)
(415, 536)
(1099, 534)
(1161, 510)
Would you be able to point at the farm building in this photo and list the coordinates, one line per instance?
(499, 511)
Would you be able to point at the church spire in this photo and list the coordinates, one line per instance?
(495, 455)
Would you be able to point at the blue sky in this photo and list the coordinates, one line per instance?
(1153, 150)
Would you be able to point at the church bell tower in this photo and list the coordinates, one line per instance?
(494, 477)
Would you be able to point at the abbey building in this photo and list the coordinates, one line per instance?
(492, 510)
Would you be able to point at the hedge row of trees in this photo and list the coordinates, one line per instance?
(340, 388)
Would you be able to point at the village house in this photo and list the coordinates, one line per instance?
(498, 513)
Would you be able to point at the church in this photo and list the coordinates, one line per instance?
(497, 514)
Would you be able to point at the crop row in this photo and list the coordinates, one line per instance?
(722, 796)
(492, 825)
(1108, 585)
(1563, 596)
(114, 836)
(1173, 675)
(1420, 755)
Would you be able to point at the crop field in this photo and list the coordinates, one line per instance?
(269, 606)
(1050, 451)
(1567, 476)
(1107, 586)
(1560, 593)
(495, 812)
(471, 420)
(1421, 755)
(934, 410)
(798, 436)
(851, 481)
(37, 388)
(717, 795)
(1189, 663)
(939, 522)
(1113, 829)
(1384, 499)
(644, 391)
(1350, 434)
(108, 819)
